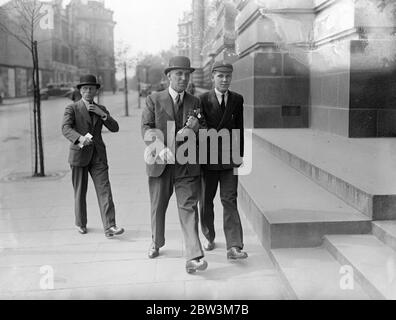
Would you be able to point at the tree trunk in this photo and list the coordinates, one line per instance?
(37, 101)
(126, 90)
(35, 173)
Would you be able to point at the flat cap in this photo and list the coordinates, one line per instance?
(222, 66)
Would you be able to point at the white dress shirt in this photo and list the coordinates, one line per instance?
(87, 103)
(219, 96)
(174, 94)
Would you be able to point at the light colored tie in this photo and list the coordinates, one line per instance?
(178, 103)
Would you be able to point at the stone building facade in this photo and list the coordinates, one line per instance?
(93, 39)
(322, 64)
(211, 36)
(62, 56)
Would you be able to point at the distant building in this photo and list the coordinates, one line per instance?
(64, 53)
(208, 31)
(93, 39)
(299, 65)
(185, 35)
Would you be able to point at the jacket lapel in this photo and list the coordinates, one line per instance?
(83, 110)
(188, 105)
(95, 116)
(167, 103)
(228, 110)
(215, 110)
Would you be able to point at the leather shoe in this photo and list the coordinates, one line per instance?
(153, 251)
(114, 231)
(82, 230)
(209, 245)
(236, 253)
(195, 265)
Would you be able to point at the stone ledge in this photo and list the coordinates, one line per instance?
(350, 169)
(312, 274)
(371, 260)
(288, 210)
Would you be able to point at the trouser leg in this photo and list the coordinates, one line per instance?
(80, 186)
(187, 192)
(99, 171)
(231, 220)
(210, 179)
(161, 189)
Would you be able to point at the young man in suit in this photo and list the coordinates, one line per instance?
(82, 126)
(173, 107)
(223, 112)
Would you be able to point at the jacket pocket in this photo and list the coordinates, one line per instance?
(75, 147)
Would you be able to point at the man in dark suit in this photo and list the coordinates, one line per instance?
(167, 114)
(82, 126)
(223, 112)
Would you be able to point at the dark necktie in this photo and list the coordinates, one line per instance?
(179, 112)
(222, 105)
(92, 114)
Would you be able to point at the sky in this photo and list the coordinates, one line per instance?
(145, 25)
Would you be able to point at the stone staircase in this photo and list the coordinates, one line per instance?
(324, 208)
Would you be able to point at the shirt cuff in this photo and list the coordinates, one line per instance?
(104, 118)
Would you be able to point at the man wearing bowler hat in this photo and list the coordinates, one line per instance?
(82, 126)
(174, 107)
(223, 112)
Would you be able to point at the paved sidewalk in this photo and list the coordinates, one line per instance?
(15, 101)
(37, 235)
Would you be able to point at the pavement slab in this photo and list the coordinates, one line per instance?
(37, 231)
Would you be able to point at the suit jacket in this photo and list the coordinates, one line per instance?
(156, 114)
(77, 122)
(231, 119)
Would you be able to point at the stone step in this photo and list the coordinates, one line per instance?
(386, 232)
(288, 210)
(313, 274)
(359, 171)
(373, 263)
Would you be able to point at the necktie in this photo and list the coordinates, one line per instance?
(92, 114)
(222, 105)
(178, 102)
(179, 112)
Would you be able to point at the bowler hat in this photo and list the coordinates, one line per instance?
(179, 62)
(88, 80)
(222, 66)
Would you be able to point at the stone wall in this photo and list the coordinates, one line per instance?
(325, 64)
(273, 79)
(353, 69)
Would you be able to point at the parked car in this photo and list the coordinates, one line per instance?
(56, 90)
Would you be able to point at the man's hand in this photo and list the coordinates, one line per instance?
(166, 155)
(193, 123)
(85, 141)
(95, 109)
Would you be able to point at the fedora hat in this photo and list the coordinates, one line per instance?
(88, 80)
(179, 62)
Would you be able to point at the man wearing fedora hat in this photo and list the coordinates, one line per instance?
(166, 173)
(223, 111)
(82, 126)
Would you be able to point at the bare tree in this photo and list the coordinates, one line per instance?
(382, 4)
(123, 62)
(95, 57)
(20, 19)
